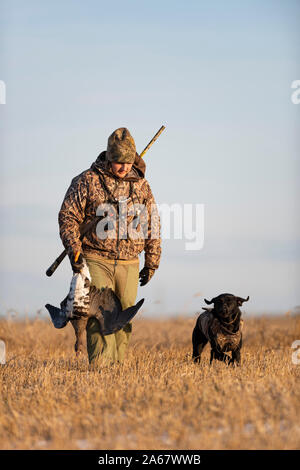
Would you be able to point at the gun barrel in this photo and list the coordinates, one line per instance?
(152, 141)
(56, 263)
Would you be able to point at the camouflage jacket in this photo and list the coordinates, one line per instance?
(97, 189)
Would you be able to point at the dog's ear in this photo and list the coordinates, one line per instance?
(240, 300)
(208, 302)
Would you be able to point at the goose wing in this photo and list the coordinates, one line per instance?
(58, 316)
(106, 307)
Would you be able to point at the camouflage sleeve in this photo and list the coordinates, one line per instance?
(153, 240)
(72, 214)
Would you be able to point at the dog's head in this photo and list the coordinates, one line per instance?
(225, 305)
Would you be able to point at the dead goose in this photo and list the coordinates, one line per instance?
(85, 301)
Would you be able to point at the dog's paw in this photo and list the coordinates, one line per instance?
(196, 360)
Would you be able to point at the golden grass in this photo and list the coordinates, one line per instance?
(158, 399)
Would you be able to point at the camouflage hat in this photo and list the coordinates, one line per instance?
(121, 146)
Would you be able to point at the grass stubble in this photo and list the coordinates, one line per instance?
(158, 399)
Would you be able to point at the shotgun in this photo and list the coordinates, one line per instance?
(85, 228)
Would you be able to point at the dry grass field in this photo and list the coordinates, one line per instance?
(158, 399)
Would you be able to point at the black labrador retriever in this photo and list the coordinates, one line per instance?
(221, 326)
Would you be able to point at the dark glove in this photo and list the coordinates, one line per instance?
(76, 265)
(145, 275)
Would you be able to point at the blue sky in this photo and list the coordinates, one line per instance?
(218, 75)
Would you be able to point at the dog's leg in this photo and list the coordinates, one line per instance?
(213, 345)
(225, 358)
(199, 342)
(236, 354)
(236, 357)
(214, 354)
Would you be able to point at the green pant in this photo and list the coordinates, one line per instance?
(123, 279)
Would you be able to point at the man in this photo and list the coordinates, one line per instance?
(116, 189)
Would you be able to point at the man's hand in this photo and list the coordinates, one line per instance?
(145, 275)
(76, 260)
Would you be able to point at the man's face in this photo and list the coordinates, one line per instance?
(121, 169)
